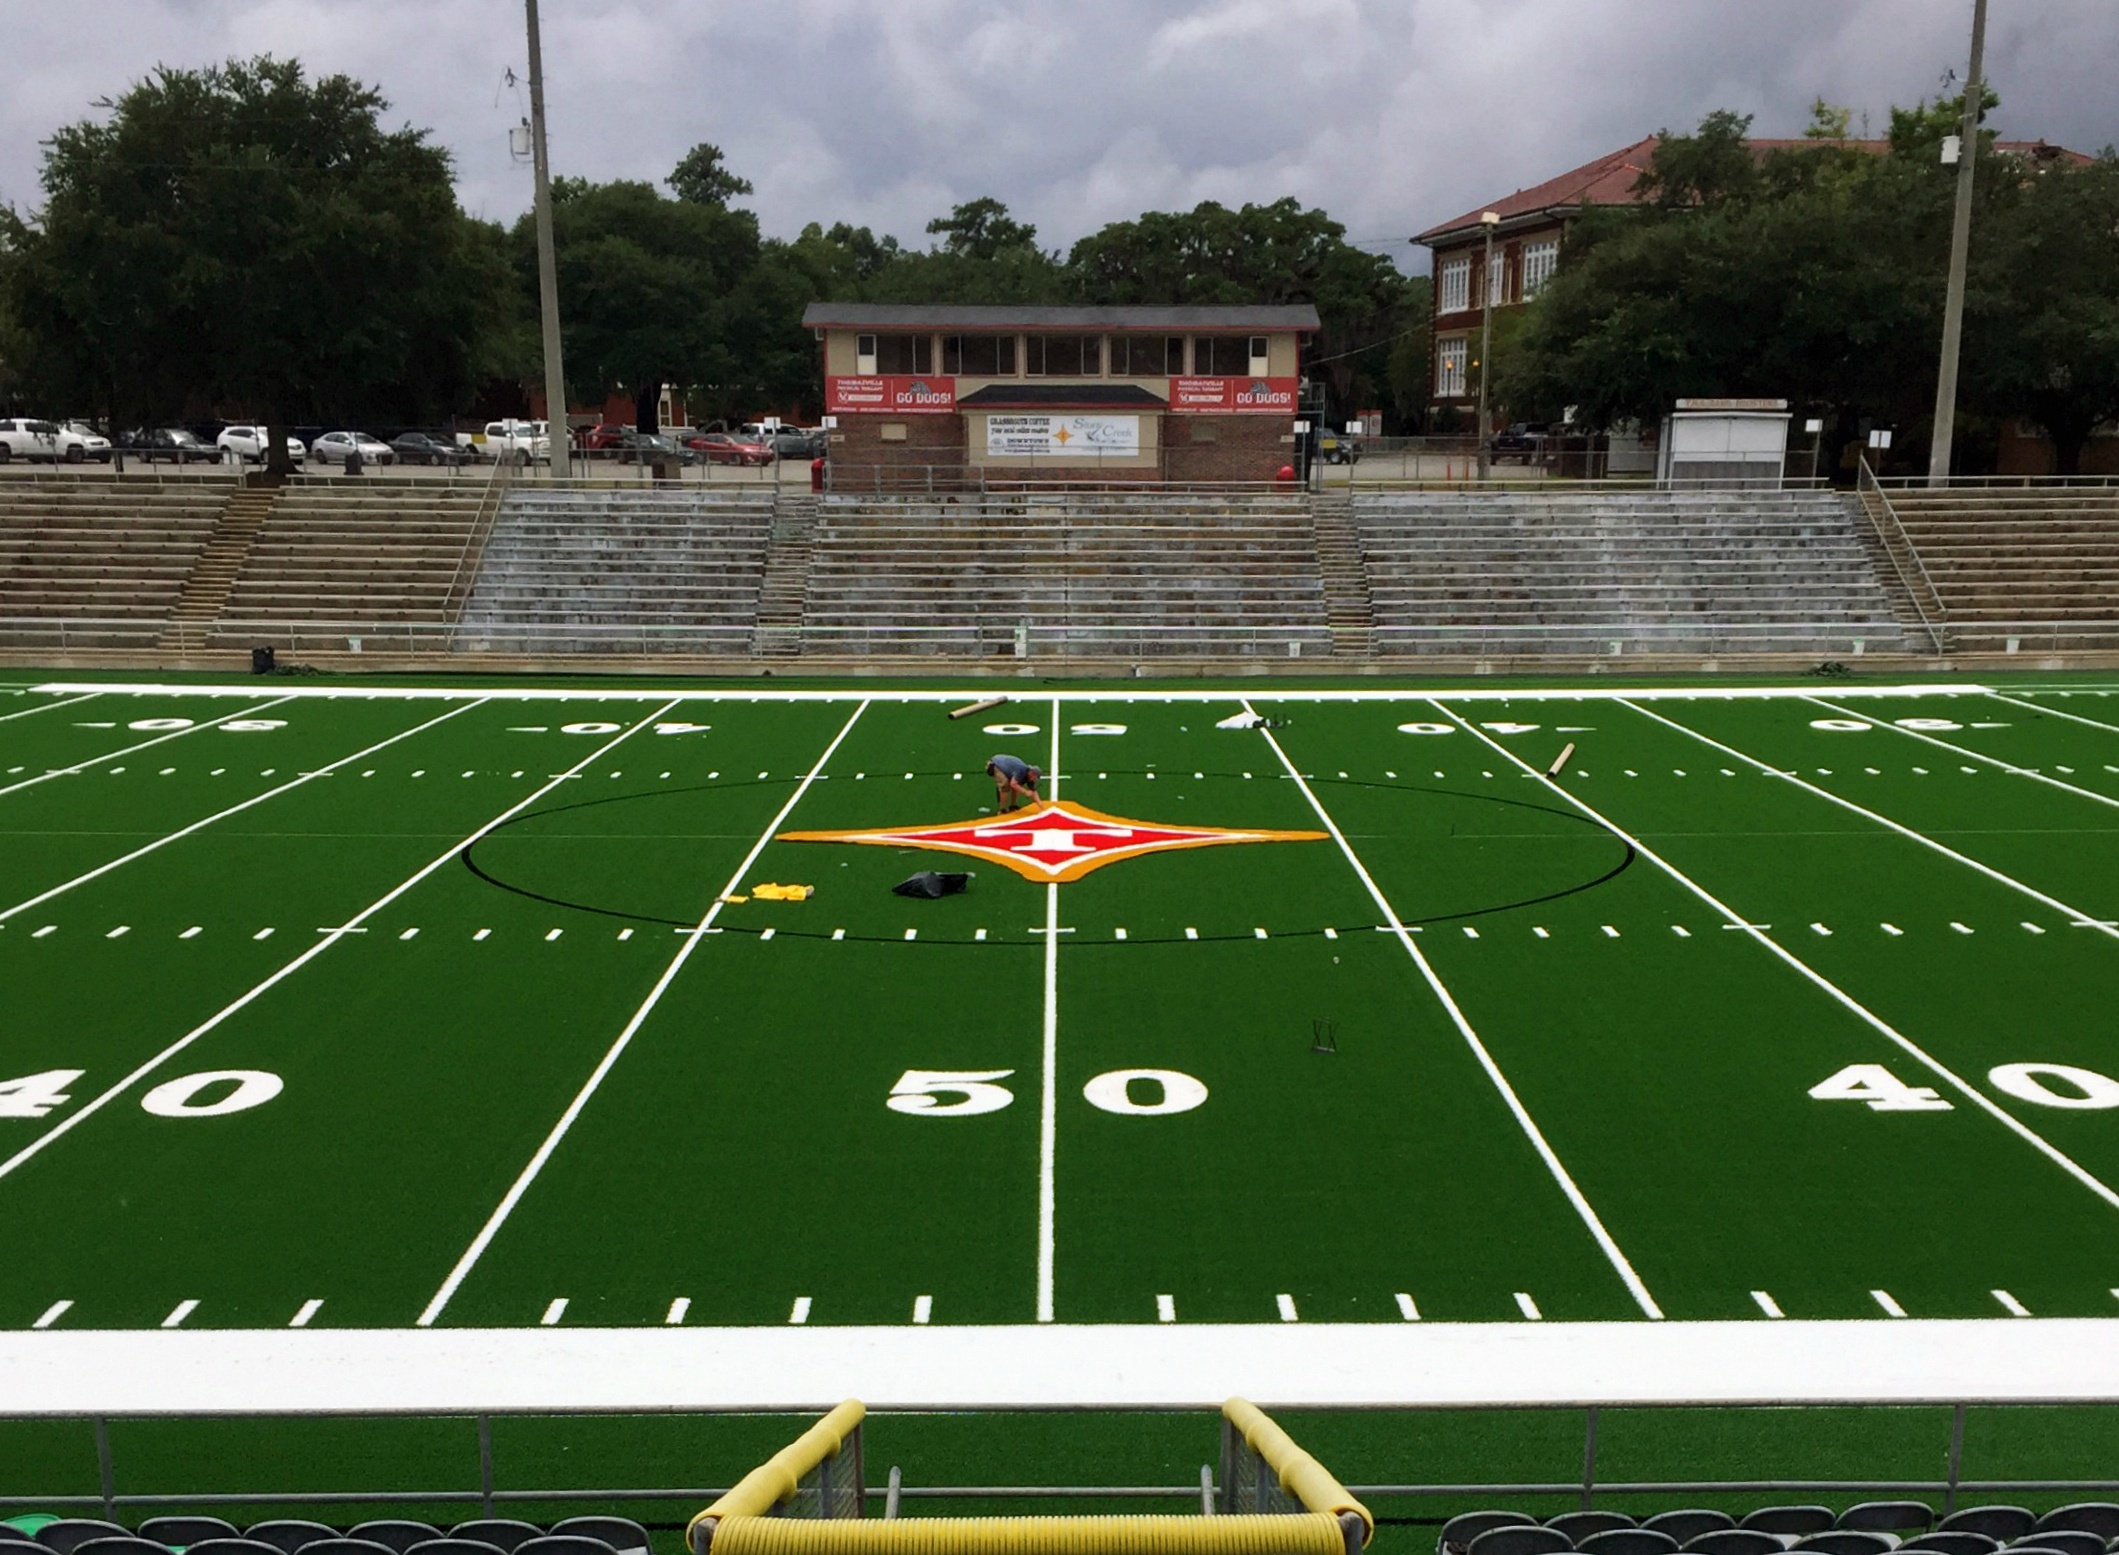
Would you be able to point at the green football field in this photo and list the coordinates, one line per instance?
(381, 1006)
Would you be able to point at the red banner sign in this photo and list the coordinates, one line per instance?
(890, 395)
(1256, 396)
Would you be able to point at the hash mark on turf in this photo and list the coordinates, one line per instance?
(841, 934)
(412, 933)
(1191, 933)
(1888, 1302)
(482, 934)
(799, 1312)
(52, 1314)
(1406, 1308)
(553, 934)
(1470, 932)
(765, 934)
(1541, 931)
(178, 1313)
(1528, 1307)
(625, 934)
(912, 933)
(120, 931)
(191, 933)
(1286, 1303)
(1681, 931)
(1961, 928)
(264, 933)
(1609, 931)
(1118, 933)
(1893, 930)
(922, 1308)
(1767, 1304)
(1261, 933)
(678, 1308)
(2010, 1304)
(2032, 927)
(554, 1310)
(307, 1312)
(1821, 930)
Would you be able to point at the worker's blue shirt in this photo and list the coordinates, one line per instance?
(1013, 768)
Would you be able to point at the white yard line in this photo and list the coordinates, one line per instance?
(1847, 1001)
(2040, 707)
(1524, 1121)
(222, 815)
(1965, 751)
(82, 1114)
(1048, 1088)
(2074, 914)
(692, 941)
(174, 734)
(44, 707)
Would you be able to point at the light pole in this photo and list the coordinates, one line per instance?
(1960, 245)
(1489, 220)
(555, 378)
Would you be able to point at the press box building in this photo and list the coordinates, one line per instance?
(933, 393)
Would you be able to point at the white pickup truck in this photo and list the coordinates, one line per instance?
(26, 438)
(524, 442)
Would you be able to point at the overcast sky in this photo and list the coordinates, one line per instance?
(1391, 114)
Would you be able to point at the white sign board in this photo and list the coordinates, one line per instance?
(1080, 436)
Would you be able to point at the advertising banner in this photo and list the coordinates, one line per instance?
(1089, 437)
(924, 394)
(1267, 396)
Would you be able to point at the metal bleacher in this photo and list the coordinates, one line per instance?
(87, 561)
(2035, 567)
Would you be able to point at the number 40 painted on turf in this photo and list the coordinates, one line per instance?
(2048, 1085)
(213, 1094)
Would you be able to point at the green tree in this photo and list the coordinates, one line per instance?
(981, 229)
(245, 237)
(704, 178)
(1701, 170)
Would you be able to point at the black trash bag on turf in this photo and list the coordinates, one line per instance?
(930, 884)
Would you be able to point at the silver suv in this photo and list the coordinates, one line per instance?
(24, 438)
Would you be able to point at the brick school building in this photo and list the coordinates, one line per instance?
(966, 395)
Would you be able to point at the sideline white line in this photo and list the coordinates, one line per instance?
(174, 734)
(692, 941)
(1839, 995)
(1524, 1121)
(2040, 707)
(44, 707)
(2036, 895)
(986, 688)
(222, 815)
(1048, 1088)
(352, 925)
(1961, 750)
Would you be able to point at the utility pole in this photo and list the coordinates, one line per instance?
(555, 378)
(1489, 220)
(1960, 246)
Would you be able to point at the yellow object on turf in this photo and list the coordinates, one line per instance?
(783, 893)
(738, 900)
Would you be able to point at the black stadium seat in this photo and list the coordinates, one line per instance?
(503, 1532)
(183, 1532)
(2070, 1541)
(1688, 1523)
(1953, 1541)
(1532, 1540)
(1847, 1541)
(1889, 1516)
(1795, 1522)
(1580, 1525)
(70, 1533)
(123, 1544)
(2098, 1517)
(1629, 1541)
(454, 1546)
(10, 1534)
(620, 1533)
(289, 1534)
(1735, 1541)
(2006, 1523)
(395, 1533)
(1458, 1533)
(231, 1547)
(349, 1547)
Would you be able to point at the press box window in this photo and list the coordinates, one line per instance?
(902, 353)
(978, 356)
(1229, 356)
(1064, 356)
(1147, 356)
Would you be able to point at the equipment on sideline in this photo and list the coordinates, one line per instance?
(1273, 1499)
(1324, 1036)
(986, 706)
(1559, 762)
(932, 884)
(783, 893)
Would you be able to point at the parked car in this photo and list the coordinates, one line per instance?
(729, 448)
(521, 441)
(786, 442)
(425, 448)
(98, 444)
(176, 444)
(1336, 447)
(333, 447)
(22, 437)
(1525, 440)
(247, 443)
(602, 438)
(647, 447)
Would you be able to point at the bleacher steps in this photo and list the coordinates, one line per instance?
(213, 575)
(1349, 610)
(785, 587)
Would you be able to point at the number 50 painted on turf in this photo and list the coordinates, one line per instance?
(965, 1093)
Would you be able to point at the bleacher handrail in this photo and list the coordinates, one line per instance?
(1888, 529)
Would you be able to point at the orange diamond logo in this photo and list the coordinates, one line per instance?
(1053, 841)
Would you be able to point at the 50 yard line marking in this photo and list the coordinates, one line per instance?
(222, 815)
(1839, 995)
(1924, 840)
(692, 941)
(324, 943)
(1582, 1207)
(175, 734)
(1048, 1090)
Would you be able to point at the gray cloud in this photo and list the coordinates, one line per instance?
(1392, 114)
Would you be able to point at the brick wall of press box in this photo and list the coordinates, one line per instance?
(1194, 448)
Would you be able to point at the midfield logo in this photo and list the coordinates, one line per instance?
(1053, 841)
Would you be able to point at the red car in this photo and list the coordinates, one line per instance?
(726, 448)
(607, 438)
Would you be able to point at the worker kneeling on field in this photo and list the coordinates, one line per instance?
(1014, 780)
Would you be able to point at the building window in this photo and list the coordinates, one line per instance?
(1539, 262)
(1455, 287)
(1147, 356)
(1063, 356)
(1450, 357)
(979, 356)
(1228, 356)
(904, 353)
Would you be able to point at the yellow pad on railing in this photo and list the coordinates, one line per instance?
(1294, 1533)
(1301, 1475)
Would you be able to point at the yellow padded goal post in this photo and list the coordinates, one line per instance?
(751, 1519)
